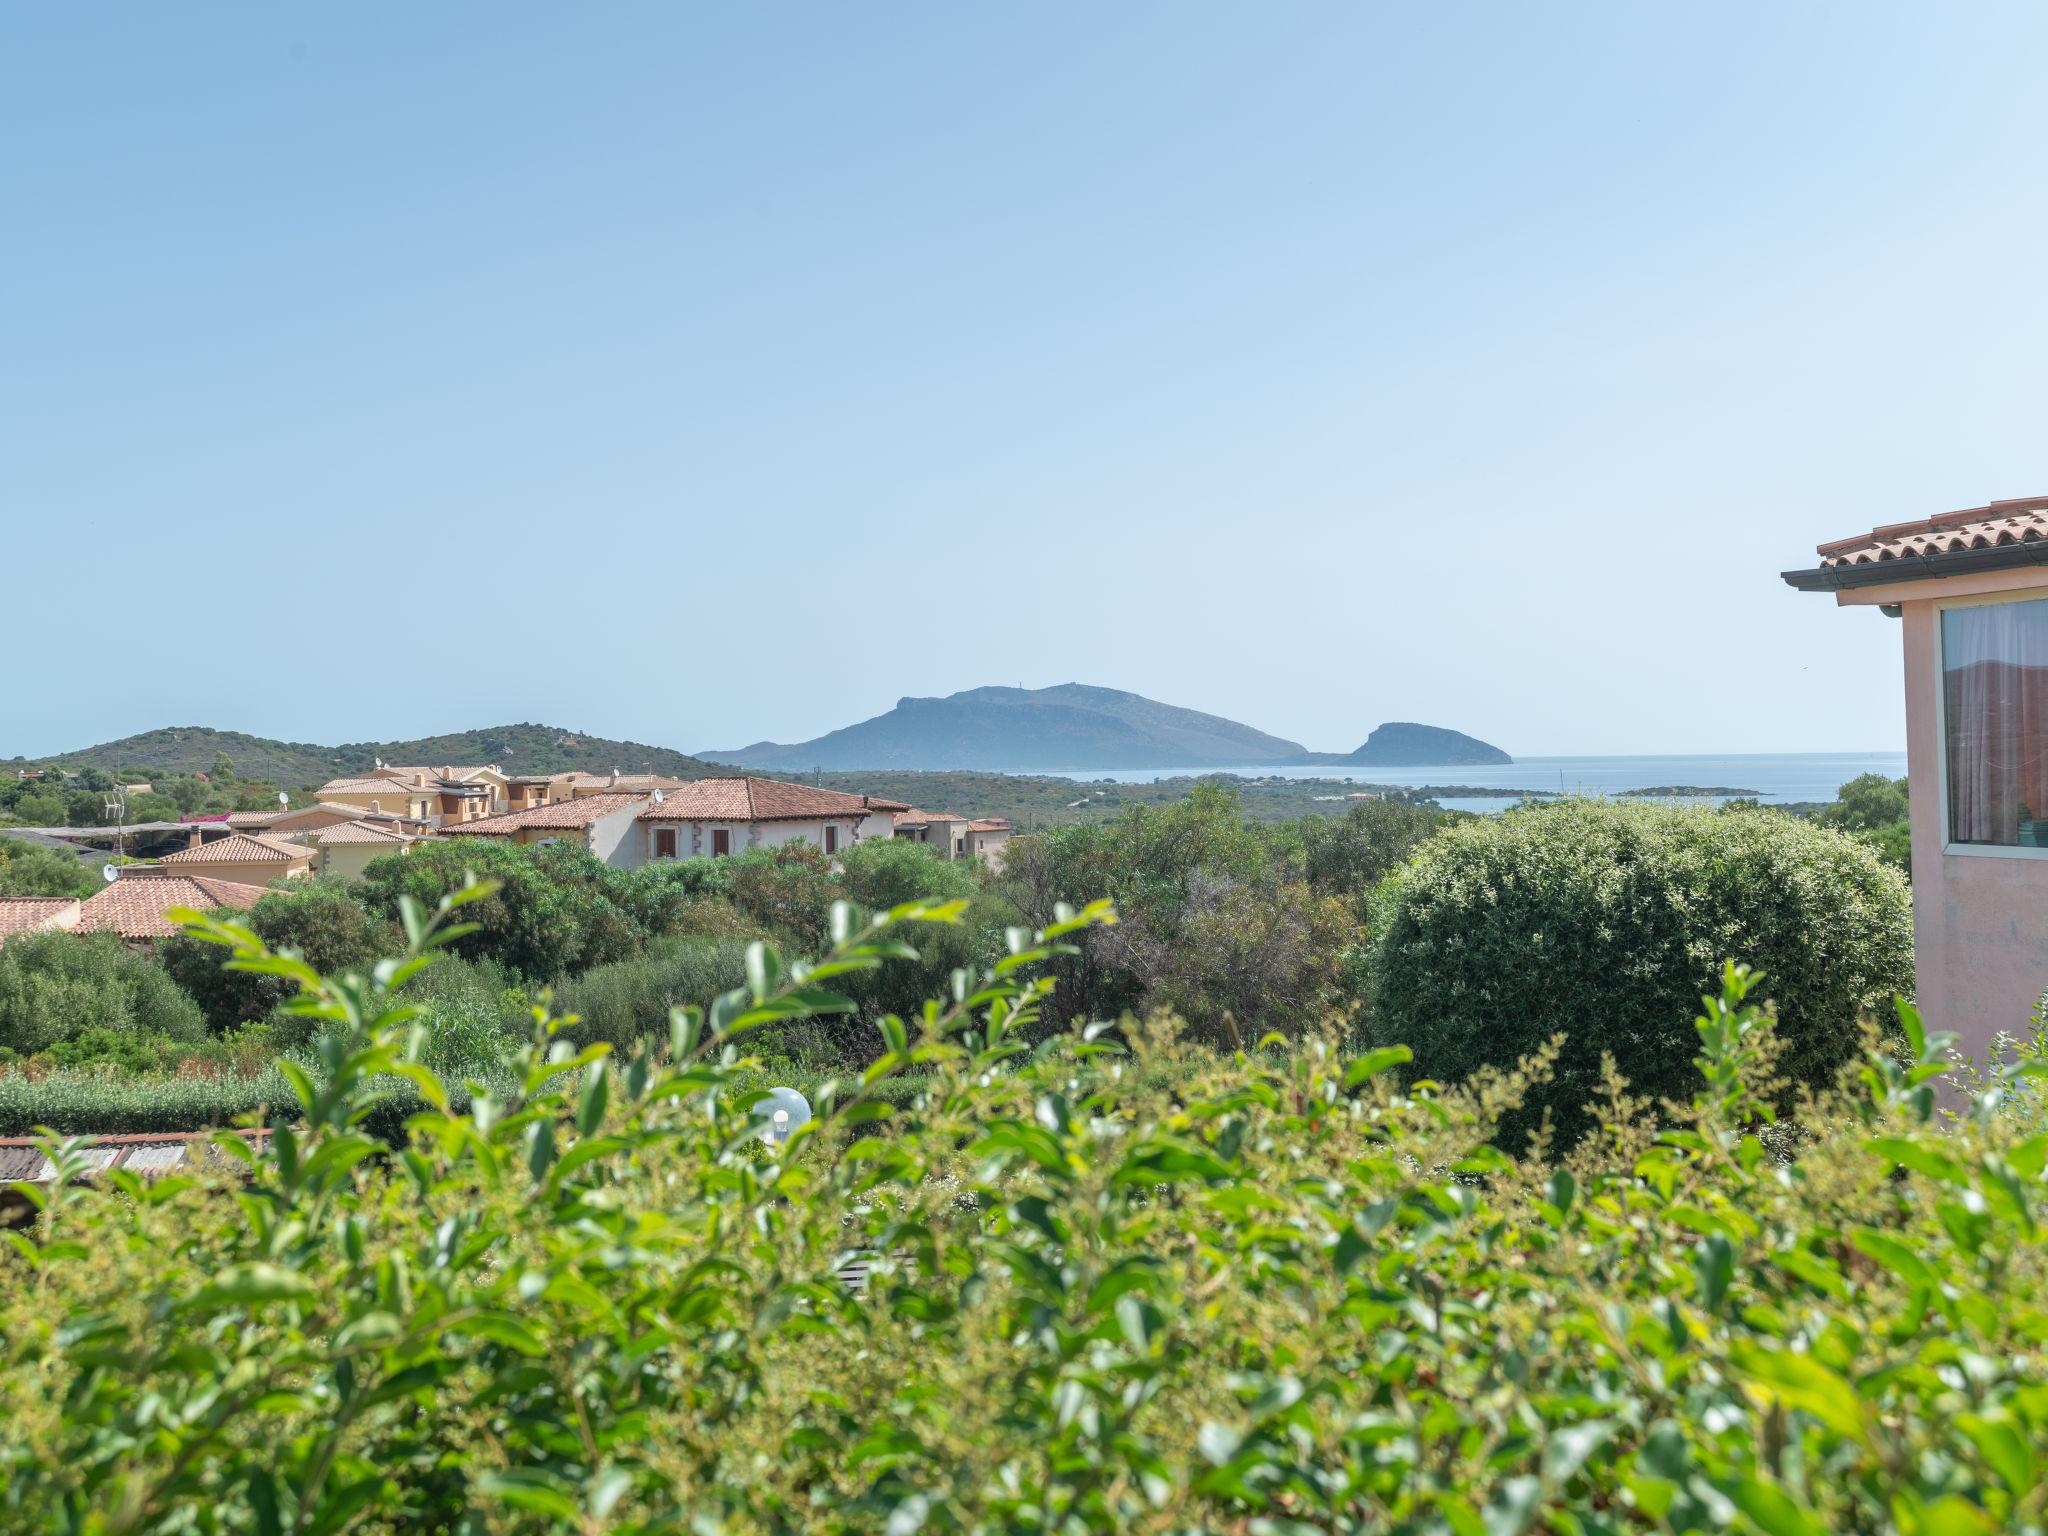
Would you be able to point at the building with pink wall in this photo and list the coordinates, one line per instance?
(1970, 590)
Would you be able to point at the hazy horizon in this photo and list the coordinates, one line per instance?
(713, 376)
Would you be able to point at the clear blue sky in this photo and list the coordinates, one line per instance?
(704, 374)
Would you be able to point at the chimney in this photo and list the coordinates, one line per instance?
(195, 839)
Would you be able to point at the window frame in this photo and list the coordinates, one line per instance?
(1941, 605)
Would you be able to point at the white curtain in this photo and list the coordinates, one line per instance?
(1995, 681)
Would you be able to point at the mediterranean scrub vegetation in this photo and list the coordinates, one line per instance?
(1238, 929)
(1106, 1287)
(1602, 923)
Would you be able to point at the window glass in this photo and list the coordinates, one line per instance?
(1995, 708)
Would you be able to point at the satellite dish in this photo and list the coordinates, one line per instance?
(283, 798)
(110, 873)
(781, 1111)
(658, 797)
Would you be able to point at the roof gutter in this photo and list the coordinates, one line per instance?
(1878, 573)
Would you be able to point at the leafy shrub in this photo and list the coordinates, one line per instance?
(1265, 1293)
(1348, 856)
(1875, 810)
(554, 910)
(627, 1002)
(56, 986)
(472, 1017)
(1217, 920)
(320, 921)
(881, 873)
(28, 869)
(1605, 923)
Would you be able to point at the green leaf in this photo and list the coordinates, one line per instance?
(254, 1284)
(1802, 1382)
(1373, 1063)
(2004, 1448)
(1773, 1510)
(501, 1328)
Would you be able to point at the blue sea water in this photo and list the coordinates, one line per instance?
(1773, 777)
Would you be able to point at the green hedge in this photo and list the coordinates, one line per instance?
(1606, 922)
(1272, 1292)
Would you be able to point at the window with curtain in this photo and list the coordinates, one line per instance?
(1994, 676)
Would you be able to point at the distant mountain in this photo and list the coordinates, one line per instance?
(1008, 730)
(514, 748)
(1404, 744)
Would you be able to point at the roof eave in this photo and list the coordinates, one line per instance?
(1877, 573)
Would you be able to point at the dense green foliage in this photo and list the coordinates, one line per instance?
(1238, 928)
(1873, 808)
(1602, 921)
(29, 870)
(1110, 1293)
(320, 921)
(554, 909)
(56, 987)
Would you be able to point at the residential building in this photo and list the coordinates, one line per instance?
(531, 791)
(465, 793)
(955, 837)
(713, 817)
(987, 837)
(616, 783)
(1970, 591)
(381, 793)
(135, 908)
(601, 823)
(347, 848)
(245, 858)
(941, 831)
(32, 914)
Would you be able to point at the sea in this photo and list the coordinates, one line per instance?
(1776, 778)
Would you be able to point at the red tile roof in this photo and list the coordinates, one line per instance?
(916, 818)
(990, 824)
(562, 814)
(751, 799)
(135, 908)
(624, 783)
(240, 848)
(365, 831)
(26, 914)
(2002, 523)
(366, 786)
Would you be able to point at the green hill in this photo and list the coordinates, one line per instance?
(514, 748)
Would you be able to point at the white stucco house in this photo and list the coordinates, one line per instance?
(715, 817)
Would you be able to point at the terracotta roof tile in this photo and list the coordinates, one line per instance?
(366, 786)
(751, 799)
(364, 831)
(917, 818)
(564, 814)
(26, 914)
(625, 782)
(239, 848)
(990, 824)
(2021, 521)
(135, 908)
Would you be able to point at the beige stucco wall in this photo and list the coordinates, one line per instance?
(1980, 918)
(420, 804)
(247, 874)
